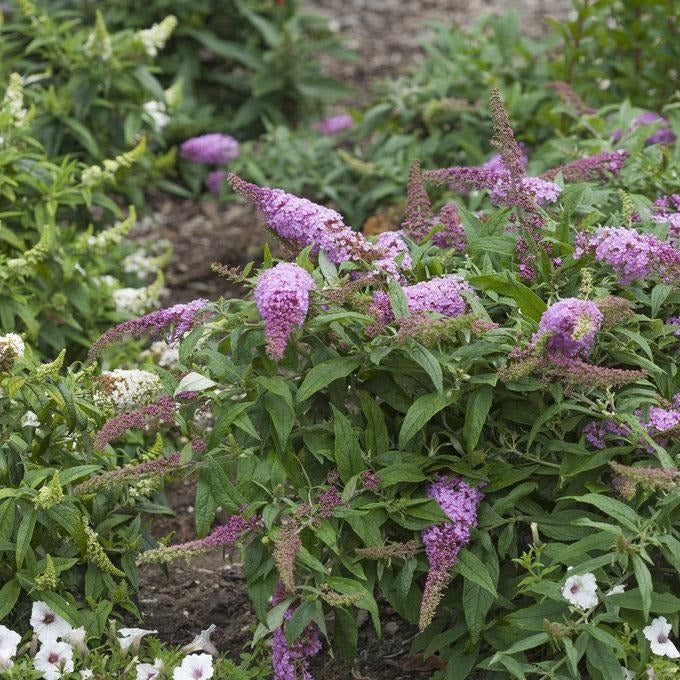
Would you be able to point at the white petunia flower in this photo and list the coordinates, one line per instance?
(657, 633)
(131, 637)
(580, 589)
(147, 671)
(9, 641)
(616, 590)
(194, 667)
(86, 673)
(202, 643)
(627, 675)
(5, 659)
(54, 659)
(76, 637)
(46, 624)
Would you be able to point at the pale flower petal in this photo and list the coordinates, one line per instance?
(47, 624)
(580, 591)
(657, 633)
(194, 667)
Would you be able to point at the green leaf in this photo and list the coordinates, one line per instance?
(507, 284)
(299, 621)
(644, 581)
(476, 412)
(423, 409)
(205, 505)
(601, 657)
(398, 300)
(9, 594)
(347, 453)
(528, 643)
(324, 374)
(376, 436)
(476, 605)
(282, 417)
(194, 382)
(346, 634)
(612, 507)
(430, 365)
(470, 567)
(224, 492)
(24, 536)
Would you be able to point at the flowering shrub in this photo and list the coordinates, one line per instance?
(437, 113)
(94, 92)
(482, 436)
(67, 270)
(242, 62)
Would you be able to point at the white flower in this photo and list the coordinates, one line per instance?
(135, 301)
(76, 637)
(86, 673)
(166, 355)
(5, 659)
(154, 38)
(616, 590)
(147, 671)
(202, 643)
(580, 589)
(140, 263)
(158, 113)
(131, 637)
(657, 634)
(9, 640)
(124, 389)
(54, 659)
(194, 667)
(47, 624)
(11, 347)
(30, 419)
(627, 675)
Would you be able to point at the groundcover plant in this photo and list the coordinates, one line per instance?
(472, 419)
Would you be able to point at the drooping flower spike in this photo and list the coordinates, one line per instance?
(282, 299)
(180, 318)
(443, 542)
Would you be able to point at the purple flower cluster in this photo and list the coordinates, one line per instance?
(590, 168)
(572, 324)
(282, 298)
(420, 219)
(540, 190)
(335, 124)
(668, 212)
(304, 223)
(391, 246)
(291, 661)
(214, 181)
(674, 321)
(160, 411)
(495, 163)
(224, 535)
(632, 255)
(178, 317)
(595, 431)
(442, 295)
(213, 149)
(124, 475)
(452, 235)
(443, 542)
(662, 136)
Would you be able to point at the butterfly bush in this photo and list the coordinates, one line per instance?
(470, 419)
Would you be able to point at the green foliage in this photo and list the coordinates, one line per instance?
(438, 112)
(241, 62)
(94, 92)
(61, 240)
(74, 552)
(344, 401)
